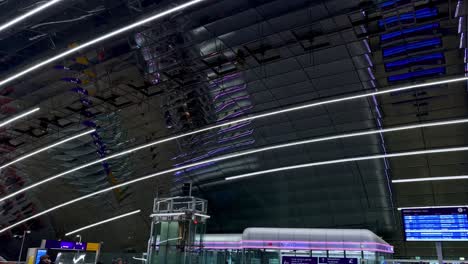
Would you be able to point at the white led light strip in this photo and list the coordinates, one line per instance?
(99, 39)
(296, 143)
(328, 162)
(402, 154)
(29, 14)
(13, 119)
(271, 113)
(45, 148)
(443, 178)
(102, 222)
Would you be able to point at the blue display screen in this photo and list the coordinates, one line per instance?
(40, 253)
(436, 224)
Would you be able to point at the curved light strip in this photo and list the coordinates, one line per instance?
(13, 119)
(401, 154)
(29, 14)
(369, 132)
(443, 178)
(328, 162)
(271, 113)
(100, 39)
(23, 157)
(102, 222)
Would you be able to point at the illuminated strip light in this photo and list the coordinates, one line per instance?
(414, 60)
(325, 245)
(202, 215)
(29, 14)
(392, 3)
(431, 207)
(13, 119)
(411, 47)
(338, 161)
(417, 74)
(249, 118)
(167, 214)
(100, 39)
(150, 176)
(102, 222)
(407, 31)
(444, 178)
(410, 16)
(315, 248)
(45, 148)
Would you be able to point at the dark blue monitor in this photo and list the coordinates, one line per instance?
(436, 224)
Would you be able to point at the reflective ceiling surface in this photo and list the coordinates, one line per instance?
(218, 61)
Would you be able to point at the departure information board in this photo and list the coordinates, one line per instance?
(436, 224)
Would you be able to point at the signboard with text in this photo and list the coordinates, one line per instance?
(323, 260)
(436, 224)
(55, 244)
(298, 260)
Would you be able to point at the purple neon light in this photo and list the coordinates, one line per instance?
(243, 134)
(382, 142)
(225, 79)
(177, 173)
(216, 151)
(234, 89)
(315, 242)
(230, 102)
(232, 128)
(224, 130)
(244, 244)
(208, 247)
(236, 114)
(316, 248)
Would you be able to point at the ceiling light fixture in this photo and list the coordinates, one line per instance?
(353, 159)
(102, 222)
(29, 14)
(99, 39)
(13, 119)
(402, 154)
(279, 146)
(23, 157)
(426, 179)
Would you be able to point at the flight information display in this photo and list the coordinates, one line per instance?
(436, 224)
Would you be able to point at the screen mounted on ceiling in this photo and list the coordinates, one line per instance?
(436, 224)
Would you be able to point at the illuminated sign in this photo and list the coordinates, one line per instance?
(298, 260)
(436, 224)
(92, 247)
(55, 244)
(323, 260)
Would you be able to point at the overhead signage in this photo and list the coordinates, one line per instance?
(55, 244)
(436, 224)
(298, 260)
(323, 260)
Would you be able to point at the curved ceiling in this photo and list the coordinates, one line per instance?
(219, 61)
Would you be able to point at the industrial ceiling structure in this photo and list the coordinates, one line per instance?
(251, 64)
